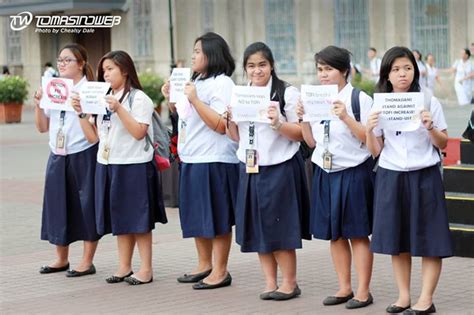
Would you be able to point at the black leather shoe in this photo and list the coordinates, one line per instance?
(48, 269)
(74, 273)
(117, 279)
(201, 285)
(429, 310)
(393, 309)
(353, 303)
(266, 295)
(194, 278)
(280, 296)
(134, 281)
(335, 300)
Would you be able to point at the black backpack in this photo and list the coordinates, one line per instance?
(305, 150)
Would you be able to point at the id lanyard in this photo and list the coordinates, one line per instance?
(106, 124)
(61, 136)
(182, 132)
(327, 156)
(251, 162)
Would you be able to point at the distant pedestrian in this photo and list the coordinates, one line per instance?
(68, 205)
(464, 78)
(49, 71)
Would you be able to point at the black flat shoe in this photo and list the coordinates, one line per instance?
(335, 300)
(429, 310)
(134, 281)
(393, 309)
(117, 279)
(201, 285)
(194, 278)
(266, 295)
(74, 273)
(280, 296)
(353, 303)
(48, 269)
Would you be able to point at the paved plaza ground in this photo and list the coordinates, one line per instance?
(24, 291)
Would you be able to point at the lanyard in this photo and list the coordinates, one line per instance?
(251, 134)
(326, 133)
(61, 119)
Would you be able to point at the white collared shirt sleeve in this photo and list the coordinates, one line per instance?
(142, 108)
(292, 95)
(221, 94)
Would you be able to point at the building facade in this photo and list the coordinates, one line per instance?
(294, 29)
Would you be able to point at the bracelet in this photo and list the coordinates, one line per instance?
(430, 127)
(276, 126)
(82, 115)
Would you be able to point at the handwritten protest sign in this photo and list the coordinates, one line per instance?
(317, 102)
(399, 111)
(178, 79)
(92, 97)
(250, 103)
(56, 93)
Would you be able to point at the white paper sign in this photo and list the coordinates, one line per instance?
(317, 102)
(92, 96)
(56, 93)
(178, 79)
(399, 111)
(250, 103)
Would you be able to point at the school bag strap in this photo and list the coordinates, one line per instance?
(355, 103)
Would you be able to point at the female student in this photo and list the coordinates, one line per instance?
(342, 191)
(127, 186)
(68, 206)
(464, 78)
(410, 216)
(272, 209)
(209, 169)
(421, 67)
(432, 76)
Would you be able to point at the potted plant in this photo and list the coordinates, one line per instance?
(151, 84)
(13, 92)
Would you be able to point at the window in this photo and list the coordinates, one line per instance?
(141, 20)
(13, 46)
(207, 16)
(351, 28)
(429, 29)
(280, 34)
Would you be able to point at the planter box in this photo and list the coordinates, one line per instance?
(10, 113)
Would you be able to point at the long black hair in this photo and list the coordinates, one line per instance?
(384, 85)
(278, 86)
(217, 52)
(125, 63)
(335, 57)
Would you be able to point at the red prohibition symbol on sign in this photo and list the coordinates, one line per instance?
(57, 91)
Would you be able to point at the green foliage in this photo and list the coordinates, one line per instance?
(152, 84)
(368, 86)
(13, 89)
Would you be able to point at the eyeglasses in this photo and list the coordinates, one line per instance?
(66, 61)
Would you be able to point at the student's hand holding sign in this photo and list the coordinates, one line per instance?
(113, 103)
(300, 110)
(274, 116)
(339, 109)
(372, 121)
(190, 92)
(426, 119)
(76, 103)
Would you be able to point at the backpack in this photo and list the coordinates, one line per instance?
(161, 138)
(305, 150)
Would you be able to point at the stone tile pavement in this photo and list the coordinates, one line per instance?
(24, 291)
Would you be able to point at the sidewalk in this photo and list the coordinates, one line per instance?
(24, 291)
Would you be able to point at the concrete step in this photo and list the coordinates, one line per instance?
(463, 239)
(459, 178)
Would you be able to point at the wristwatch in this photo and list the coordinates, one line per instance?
(82, 115)
(276, 126)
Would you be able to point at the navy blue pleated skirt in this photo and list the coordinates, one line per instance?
(341, 202)
(272, 210)
(129, 198)
(68, 205)
(207, 194)
(410, 214)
